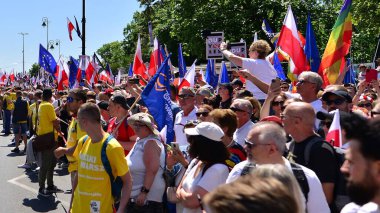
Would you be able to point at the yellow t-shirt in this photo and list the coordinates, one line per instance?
(10, 104)
(74, 134)
(46, 116)
(94, 186)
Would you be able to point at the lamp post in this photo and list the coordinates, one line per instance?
(84, 27)
(53, 43)
(45, 23)
(23, 52)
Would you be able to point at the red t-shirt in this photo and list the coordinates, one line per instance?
(123, 133)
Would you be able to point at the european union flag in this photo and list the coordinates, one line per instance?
(181, 62)
(277, 66)
(311, 49)
(211, 77)
(130, 72)
(156, 97)
(349, 78)
(73, 67)
(47, 61)
(224, 74)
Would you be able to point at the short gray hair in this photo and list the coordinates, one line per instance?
(313, 77)
(244, 104)
(270, 131)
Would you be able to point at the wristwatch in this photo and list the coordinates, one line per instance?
(144, 190)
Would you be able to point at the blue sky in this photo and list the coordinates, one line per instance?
(105, 21)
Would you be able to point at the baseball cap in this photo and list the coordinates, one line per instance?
(121, 100)
(103, 105)
(208, 130)
(340, 93)
(273, 118)
(204, 91)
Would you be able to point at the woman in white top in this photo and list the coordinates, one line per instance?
(208, 169)
(146, 161)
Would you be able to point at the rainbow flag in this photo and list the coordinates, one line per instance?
(338, 45)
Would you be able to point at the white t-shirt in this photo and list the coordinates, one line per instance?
(261, 69)
(317, 106)
(241, 133)
(366, 208)
(212, 178)
(179, 122)
(316, 198)
(236, 171)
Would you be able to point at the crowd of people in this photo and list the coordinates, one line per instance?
(252, 146)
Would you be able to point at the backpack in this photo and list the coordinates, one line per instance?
(116, 183)
(340, 193)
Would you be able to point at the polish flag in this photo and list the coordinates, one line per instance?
(3, 76)
(334, 136)
(291, 46)
(104, 76)
(70, 28)
(155, 59)
(188, 80)
(12, 76)
(138, 64)
(63, 74)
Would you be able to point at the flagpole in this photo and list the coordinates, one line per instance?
(84, 27)
(377, 49)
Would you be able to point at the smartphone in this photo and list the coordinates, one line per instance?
(175, 145)
(276, 83)
(133, 81)
(371, 74)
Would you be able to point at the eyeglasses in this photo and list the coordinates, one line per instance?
(71, 99)
(251, 144)
(185, 96)
(204, 114)
(237, 109)
(365, 105)
(303, 81)
(336, 102)
(374, 113)
(138, 125)
(276, 103)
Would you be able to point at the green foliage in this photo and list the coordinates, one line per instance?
(33, 71)
(181, 21)
(114, 54)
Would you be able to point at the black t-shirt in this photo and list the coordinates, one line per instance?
(321, 159)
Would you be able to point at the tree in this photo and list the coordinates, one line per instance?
(114, 54)
(33, 71)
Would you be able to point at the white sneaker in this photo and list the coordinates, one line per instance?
(24, 166)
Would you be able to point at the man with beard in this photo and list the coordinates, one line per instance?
(362, 167)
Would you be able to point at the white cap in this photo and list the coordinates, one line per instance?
(208, 130)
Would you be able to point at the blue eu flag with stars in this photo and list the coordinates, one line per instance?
(47, 61)
(156, 97)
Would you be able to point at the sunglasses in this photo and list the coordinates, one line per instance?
(326, 123)
(365, 105)
(71, 99)
(276, 103)
(236, 109)
(251, 144)
(185, 96)
(138, 125)
(204, 114)
(304, 81)
(336, 102)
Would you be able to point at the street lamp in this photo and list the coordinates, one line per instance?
(45, 23)
(55, 43)
(23, 52)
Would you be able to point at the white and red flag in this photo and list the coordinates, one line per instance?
(70, 28)
(188, 79)
(138, 64)
(63, 74)
(334, 136)
(290, 45)
(155, 59)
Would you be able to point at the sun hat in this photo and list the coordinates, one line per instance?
(207, 129)
(145, 119)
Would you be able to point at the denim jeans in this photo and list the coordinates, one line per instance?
(7, 121)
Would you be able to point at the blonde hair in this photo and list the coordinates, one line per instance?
(282, 174)
(262, 47)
